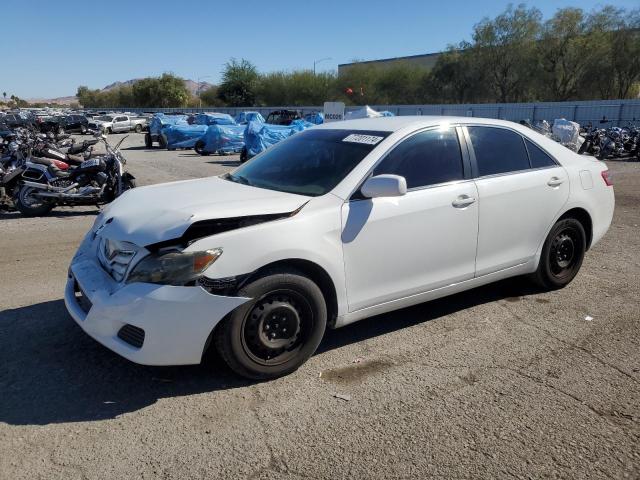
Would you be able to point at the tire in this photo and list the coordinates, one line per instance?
(253, 339)
(162, 141)
(562, 254)
(138, 128)
(26, 208)
(243, 155)
(147, 141)
(584, 147)
(128, 182)
(83, 130)
(60, 131)
(199, 148)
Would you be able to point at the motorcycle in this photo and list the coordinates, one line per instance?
(96, 181)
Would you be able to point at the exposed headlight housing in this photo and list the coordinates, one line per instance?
(174, 267)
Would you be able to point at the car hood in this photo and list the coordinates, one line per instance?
(162, 212)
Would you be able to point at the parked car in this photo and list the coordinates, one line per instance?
(15, 120)
(339, 222)
(283, 117)
(117, 124)
(64, 124)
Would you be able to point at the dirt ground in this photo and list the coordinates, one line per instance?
(498, 382)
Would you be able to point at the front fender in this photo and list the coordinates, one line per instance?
(313, 234)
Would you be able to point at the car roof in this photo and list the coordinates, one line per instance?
(392, 124)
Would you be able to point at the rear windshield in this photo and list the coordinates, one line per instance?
(105, 118)
(309, 163)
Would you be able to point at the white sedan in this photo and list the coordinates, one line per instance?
(337, 223)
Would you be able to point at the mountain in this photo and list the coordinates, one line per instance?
(191, 85)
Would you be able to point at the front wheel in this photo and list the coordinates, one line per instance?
(278, 330)
(29, 205)
(562, 254)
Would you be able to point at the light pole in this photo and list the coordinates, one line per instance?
(200, 99)
(315, 62)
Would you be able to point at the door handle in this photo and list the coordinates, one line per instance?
(555, 182)
(463, 201)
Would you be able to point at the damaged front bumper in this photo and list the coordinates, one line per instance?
(170, 324)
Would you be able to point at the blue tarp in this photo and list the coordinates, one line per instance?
(260, 136)
(183, 136)
(161, 120)
(245, 117)
(316, 118)
(224, 139)
(214, 119)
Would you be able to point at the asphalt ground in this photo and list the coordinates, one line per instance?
(503, 381)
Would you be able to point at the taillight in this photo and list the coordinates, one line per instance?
(607, 178)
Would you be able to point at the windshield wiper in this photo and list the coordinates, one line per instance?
(239, 179)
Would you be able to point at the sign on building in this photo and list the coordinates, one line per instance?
(333, 111)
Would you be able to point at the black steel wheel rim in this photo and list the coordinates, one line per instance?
(564, 252)
(276, 327)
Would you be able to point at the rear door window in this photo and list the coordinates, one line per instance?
(498, 150)
(426, 158)
(538, 157)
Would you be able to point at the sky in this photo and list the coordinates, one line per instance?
(52, 47)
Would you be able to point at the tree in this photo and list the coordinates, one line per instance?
(239, 81)
(565, 53)
(209, 97)
(457, 77)
(167, 90)
(505, 46)
(300, 87)
(625, 42)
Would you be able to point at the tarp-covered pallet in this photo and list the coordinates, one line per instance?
(260, 136)
(222, 139)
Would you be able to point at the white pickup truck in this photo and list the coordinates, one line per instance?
(117, 123)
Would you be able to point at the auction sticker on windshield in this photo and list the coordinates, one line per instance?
(366, 139)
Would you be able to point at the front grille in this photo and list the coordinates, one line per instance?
(134, 336)
(115, 257)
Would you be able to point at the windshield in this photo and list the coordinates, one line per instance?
(309, 163)
(105, 118)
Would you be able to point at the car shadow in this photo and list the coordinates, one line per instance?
(52, 372)
(14, 214)
(226, 163)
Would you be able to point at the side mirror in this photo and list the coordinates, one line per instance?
(384, 186)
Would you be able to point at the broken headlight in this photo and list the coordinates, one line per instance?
(174, 267)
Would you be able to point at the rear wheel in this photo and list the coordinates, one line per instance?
(147, 141)
(562, 254)
(278, 330)
(29, 205)
(199, 148)
(162, 141)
